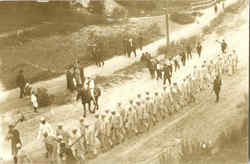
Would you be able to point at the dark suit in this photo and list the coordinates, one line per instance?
(167, 75)
(199, 48)
(216, 87)
(21, 82)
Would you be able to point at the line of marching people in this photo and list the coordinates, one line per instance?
(113, 126)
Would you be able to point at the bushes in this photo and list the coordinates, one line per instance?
(96, 6)
(182, 18)
(177, 47)
(119, 12)
(43, 98)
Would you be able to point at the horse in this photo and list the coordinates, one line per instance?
(87, 99)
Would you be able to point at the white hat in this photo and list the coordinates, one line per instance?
(18, 145)
(42, 119)
(86, 123)
(60, 137)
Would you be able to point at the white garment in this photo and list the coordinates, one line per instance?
(34, 100)
(45, 128)
(91, 84)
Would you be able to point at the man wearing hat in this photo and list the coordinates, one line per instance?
(121, 111)
(77, 147)
(69, 79)
(199, 49)
(20, 82)
(235, 61)
(183, 58)
(108, 127)
(116, 123)
(223, 46)
(61, 132)
(149, 108)
(98, 136)
(14, 137)
(174, 97)
(34, 102)
(83, 133)
(66, 154)
(45, 127)
(88, 136)
(183, 88)
(51, 147)
(167, 75)
(217, 87)
(155, 109)
(102, 136)
(146, 117)
(191, 88)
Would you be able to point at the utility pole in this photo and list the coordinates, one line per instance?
(167, 24)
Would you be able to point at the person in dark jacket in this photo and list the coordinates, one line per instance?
(16, 144)
(167, 74)
(21, 82)
(69, 78)
(82, 74)
(189, 52)
(66, 154)
(223, 46)
(217, 87)
(199, 49)
(215, 8)
(183, 58)
(140, 41)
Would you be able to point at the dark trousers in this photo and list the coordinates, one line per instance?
(21, 92)
(158, 74)
(131, 51)
(152, 73)
(177, 66)
(217, 93)
(199, 53)
(165, 79)
(189, 55)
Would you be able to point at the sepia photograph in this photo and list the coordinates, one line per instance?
(124, 81)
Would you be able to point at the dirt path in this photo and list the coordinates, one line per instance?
(71, 112)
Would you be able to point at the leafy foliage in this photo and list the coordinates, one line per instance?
(96, 6)
(182, 18)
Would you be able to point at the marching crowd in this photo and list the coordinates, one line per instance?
(113, 126)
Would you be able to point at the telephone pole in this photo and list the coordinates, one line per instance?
(167, 24)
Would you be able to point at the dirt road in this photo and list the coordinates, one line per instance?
(71, 112)
(204, 120)
(57, 86)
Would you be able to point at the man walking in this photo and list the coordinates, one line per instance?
(16, 144)
(199, 49)
(20, 81)
(167, 75)
(189, 52)
(217, 87)
(140, 41)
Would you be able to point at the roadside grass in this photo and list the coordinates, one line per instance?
(232, 9)
(55, 51)
(230, 146)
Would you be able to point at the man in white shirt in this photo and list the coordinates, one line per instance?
(235, 61)
(45, 129)
(33, 98)
(92, 89)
